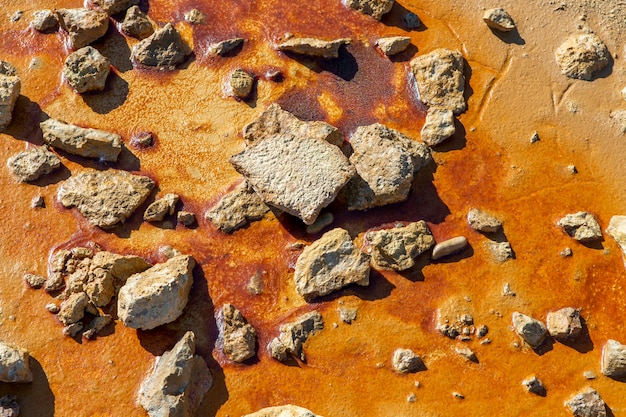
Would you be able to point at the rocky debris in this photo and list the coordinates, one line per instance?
(73, 309)
(83, 25)
(589, 375)
(255, 284)
(405, 361)
(617, 230)
(54, 282)
(236, 209)
(507, 291)
(14, 364)
(482, 331)
(195, 17)
(100, 287)
(186, 218)
(393, 45)
(156, 296)
(293, 335)
(483, 222)
(534, 385)
(10, 86)
(500, 251)
(73, 329)
(564, 323)
(581, 55)
(499, 20)
(240, 83)
(239, 336)
(466, 353)
(160, 208)
(397, 248)
(374, 8)
(440, 80)
(449, 247)
(411, 21)
(438, 126)
(178, 382)
(530, 330)
(8, 69)
(454, 319)
(320, 224)
(9, 406)
(113, 6)
(45, 21)
(164, 49)
(614, 359)
(587, 403)
(572, 169)
(33, 163)
(300, 176)
(226, 46)
(96, 325)
(535, 137)
(85, 142)
(582, 226)
(329, 264)
(137, 24)
(34, 281)
(347, 315)
(38, 202)
(283, 411)
(86, 70)
(313, 47)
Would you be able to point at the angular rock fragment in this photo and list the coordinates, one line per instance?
(483, 221)
(564, 323)
(293, 335)
(113, 6)
(10, 86)
(165, 205)
(454, 319)
(393, 45)
(73, 309)
(449, 247)
(38, 202)
(73, 329)
(121, 267)
(9, 406)
(240, 83)
(283, 411)
(587, 403)
(89, 143)
(329, 264)
(236, 209)
(226, 46)
(530, 330)
(137, 24)
(164, 49)
(614, 359)
(313, 47)
(178, 382)
(96, 325)
(86, 70)
(33, 163)
(582, 226)
(411, 21)
(617, 230)
(347, 315)
(534, 385)
(14, 364)
(45, 21)
(438, 126)
(194, 16)
(83, 25)
(54, 282)
(405, 361)
(500, 251)
(186, 218)
(34, 281)
(100, 286)
(397, 248)
(499, 20)
(374, 8)
(580, 56)
(105, 198)
(239, 336)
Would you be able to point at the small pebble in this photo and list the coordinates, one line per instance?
(589, 375)
(380, 365)
(572, 169)
(507, 291)
(411, 21)
(485, 341)
(417, 384)
(534, 385)
(411, 398)
(535, 137)
(566, 252)
(458, 395)
(187, 218)
(53, 308)
(34, 281)
(38, 202)
(194, 16)
(16, 16)
(142, 140)
(482, 331)
(449, 247)
(624, 93)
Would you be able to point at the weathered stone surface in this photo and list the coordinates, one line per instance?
(10, 86)
(163, 49)
(313, 47)
(73, 309)
(165, 205)
(113, 6)
(398, 247)
(374, 8)
(240, 83)
(121, 267)
(9, 406)
(587, 403)
(100, 287)
(440, 80)
(186, 218)
(500, 251)
(83, 25)
(298, 175)
(89, 143)
(14, 365)
(105, 198)
(226, 46)
(86, 70)
(54, 282)
(45, 21)
(449, 247)
(283, 411)
(617, 230)
(564, 323)
(582, 226)
(530, 330)
(34, 281)
(483, 221)
(239, 336)
(614, 359)
(137, 24)
(33, 163)
(347, 315)
(393, 45)
(195, 17)
(438, 126)
(405, 361)
(156, 296)
(8, 69)
(178, 382)
(329, 264)
(499, 19)
(96, 325)
(466, 353)
(236, 209)
(581, 55)
(534, 385)
(293, 335)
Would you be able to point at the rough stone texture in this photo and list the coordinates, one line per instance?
(293, 335)
(34, 281)
(587, 403)
(449, 247)
(160, 208)
(398, 247)
(313, 47)
(100, 287)
(45, 21)
(83, 25)
(564, 323)
(438, 126)
(329, 264)
(121, 267)
(10, 86)
(105, 198)
(499, 19)
(14, 365)
(163, 49)
(393, 45)
(283, 411)
(466, 353)
(113, 6)
(186, 218)
(483, 221)
(96, 325)
(374, 8)
(298, 175)
(239, 336)
(73, 309)
(534, 385)
(500, 251)
(86, 70)
(89, 143)
(33, 163)
(617, 230)
(240, 83)
(532, 331)
(178, 382)
(347, 315)
(156, 296)
(54, 282)
(236, 209)
(8, 69)
(195, 17)
(226, 46)
(581, 55)
(440, 80)
(454, 318)
(582, 226)
(137, 24)
(614, 359)
(9, 406)
(405, 361)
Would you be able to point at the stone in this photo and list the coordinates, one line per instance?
(617, 230)
(164, 49)
(614, 359)
(14, 364)
(530, 330)
(161, 207)
(226, 46)
(8, 69)
(483, 222)
(236, 209)
(440, 80)
(534, 385)
(581, 55)
(113, 6)
(100, 287)
(96, 325)
(240, 83)
(449, 247)
(466, 353)
(347, 315)
(54, 282)
(393, 45)
(374, 8)
(453, 317)
(156, 296)
(38, 202)
(582, 226)
(239, 336)
(316, 48)
(405, 361)
(137, 24)
(300, 176)
(186, 218)
(438, 126)
(9, 406)
(500, 251)
(59, 260)
(33, 163)
(45, 21)
(283, 411)
(411, 21)
(73, 308)
(121, 267)
(397, 248)
(86, 70)
(178, 382)
(564, 324)
(255, 284)
(10, 87)
(293, 335)
(52, 308)
(73, 329)
(499, 20)
(587, 403)
(83, 26)
(534, 138)
(329, 264)
(105, 198)
(34, 281)
(85, 142)
(320, 224)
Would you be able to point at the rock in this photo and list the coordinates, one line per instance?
(239, 336)
(100, 287)
(397, 248)
(38, 202)
(411, 21)
(165, 205)
(454, 319)
(120, 267)
(9, 406)
(500, 251)
(52, 308)
(59, 260)
(467, 353)
(587, 403)
(449, 247)
(298, 175)
(86, 70)
(236, 209)
(507, 291)
(96, 325)
(617, 230)
(374, 8)
(530, 330)
(535, 137)
(320, 224)
(156, 296)
(581, 55)
(499, 20)
(255, 284)
(105, 198)
(405, 361)
(440, 80)
(88, 143)
(347, 315)
(73, 309)
(582, 226)
(275, 121)
(564, 323)
(137, 24)
(34, 281)
(195, 17)
(83, 25)
(329, 264)
(240, 83)
(113, 6)
(393, 45)
(438, 126)
(226, 46)
(186, 218)
(483, 221)
(534, 385)
(54, 282)
(45, 21)
(73, 329)
(14, 364)
(458, 395)
(614, 359)
(10, 86)
(164, 49)
(33, 163)
(283, 411)
(178, 382)
(313, 47)
(293, 335)
(8, 69)
(589, 375)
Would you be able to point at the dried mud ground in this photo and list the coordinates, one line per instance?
(514, 89)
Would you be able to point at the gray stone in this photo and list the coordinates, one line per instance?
(564, 323)
(86, 70)
(9, 406)
(582, 226)
(160, 208)
(88, 143)
(534, 385)
(313, 47)
(283, 411)
(580, 56)
(34, 281)
(45, 21)
(10, 86)
(113, 6)
(236, 209)
(73, 309)
(393, 45)
(33, 163)
(438, 126)
(587, 403)
(164, 49)
(411, 21)
(226, 46)
(240, 83)
(530, 330)
(617, 230)
(374, 8)
(397, 248)
(293, 335)
(137, 24)
(405, 361)
(499, 20)
(186, 218)
(500, 251)
(83, 26)
(614, 359)
(14, 364)
(483, 221)
(449, 247)
(239, 336)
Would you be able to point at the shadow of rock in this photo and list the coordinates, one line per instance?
(406, 55)
(467, 73)
(596, 244)
(512, 37)
(378, 289)
(395, 17)
(114, 47)
(606, 71)
(113, 96)
(582, 343)
(60, 174)
(545, 347)
(134, 222)
(35, 399)
(455, 142)
(26, 118)
(415, 274)
(126, 161)
(344, 66)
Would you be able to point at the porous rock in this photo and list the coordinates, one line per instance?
(483, 222)
(14, 364)
(397, 248)
(581, 55)
(313, 47)
(587, 403)
(530, 330)
(137, 24)
(466, 353)
(239, 336)
(165, 205)
(617, 230)
(96, 325)
(564, 324)
(164, 49)
(33, 163)
(393, 45)
(226, 46)
(240, 83)
(582, 226)
(283, 411)
(83, 25)
(120, 266)
(614, 359)
(499, 20)
(89, 143)
(73, 309)
(34, 281)
(438, 126)
(100, 286)
(500, 251)
(236, 209)
(10, 86)
(195, 17)
(45, 21)
(374, 8)
(86, 70)
(405, 361)
(293, 335)
(113, 6)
